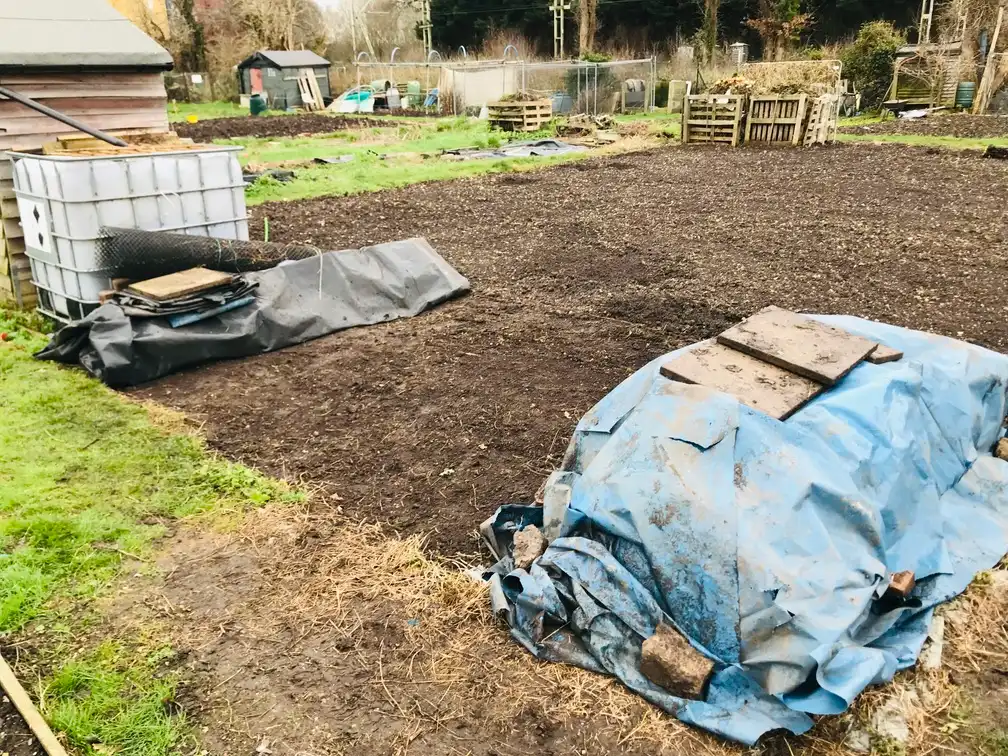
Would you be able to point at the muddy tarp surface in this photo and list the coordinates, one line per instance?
(295, 302)
(768, 543)
(531, 148)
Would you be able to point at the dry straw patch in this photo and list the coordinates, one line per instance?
(442, 658)
(453, 659)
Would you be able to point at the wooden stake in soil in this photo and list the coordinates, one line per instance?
(986, 82)
(28, 712)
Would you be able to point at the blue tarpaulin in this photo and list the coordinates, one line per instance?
(768, 543)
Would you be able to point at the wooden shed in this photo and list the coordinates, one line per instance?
(274, 74)
(928, 75)
(80, 57)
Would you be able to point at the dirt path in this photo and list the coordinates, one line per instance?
(581, 275)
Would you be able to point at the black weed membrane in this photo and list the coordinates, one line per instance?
(131, 253)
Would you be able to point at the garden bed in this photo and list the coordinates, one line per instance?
(274, 126)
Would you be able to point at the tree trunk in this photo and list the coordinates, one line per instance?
(587, 25)
(710, 27)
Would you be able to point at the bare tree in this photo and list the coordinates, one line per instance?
(283, 24)
(779, 24)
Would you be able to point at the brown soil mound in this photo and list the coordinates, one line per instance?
(273, 126)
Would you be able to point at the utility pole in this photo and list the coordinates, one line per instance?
(426, 27)
(353, 26)
(558, 7)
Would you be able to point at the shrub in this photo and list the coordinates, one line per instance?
(869, 61)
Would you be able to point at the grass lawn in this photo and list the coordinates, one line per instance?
(381, 158)
(88, 487)
(918, 140)
(204, 111)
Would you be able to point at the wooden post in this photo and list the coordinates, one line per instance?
(686, 117)
(28, 712)
(983, 97)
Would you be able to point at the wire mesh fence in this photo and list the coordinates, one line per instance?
(573, 87)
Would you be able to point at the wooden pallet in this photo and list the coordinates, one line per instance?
(823, 120)
(777, 119)
(713, 119)
(311, 94)
(519, 116)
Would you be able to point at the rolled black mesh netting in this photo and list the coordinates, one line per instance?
(131, 253)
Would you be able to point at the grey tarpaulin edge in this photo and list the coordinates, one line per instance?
(295, 302)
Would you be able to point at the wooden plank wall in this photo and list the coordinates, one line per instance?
(109, 101)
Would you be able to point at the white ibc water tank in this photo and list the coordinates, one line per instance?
(65, 201)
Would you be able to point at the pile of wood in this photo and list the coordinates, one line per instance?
(776, 361)
(186, 297)
(82, 145)
(513, 115)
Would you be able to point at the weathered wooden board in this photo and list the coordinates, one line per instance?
(181, 284)
(799, 344)
(884, 354)
(755, 383)
(23, 703)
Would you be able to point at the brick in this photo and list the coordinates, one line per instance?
(902, 584)
(670, 662)
(529, 545)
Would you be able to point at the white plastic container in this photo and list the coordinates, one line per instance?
(65, 201)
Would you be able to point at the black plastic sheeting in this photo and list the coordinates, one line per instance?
(296, 301)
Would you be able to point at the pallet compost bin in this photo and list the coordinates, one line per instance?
(519, 116)
(65, 201)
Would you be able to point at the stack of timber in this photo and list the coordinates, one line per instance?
(519, 116)
(113, 102)
(713, 119)
(776, 361)
(137, 143)
(777, 119)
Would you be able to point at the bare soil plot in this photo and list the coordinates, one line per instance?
(582, 274)
(961, 126)
(16, 739)
(273, 126)
(305, 634)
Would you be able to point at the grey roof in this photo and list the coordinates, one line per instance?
(288, 58)
(73, 34)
